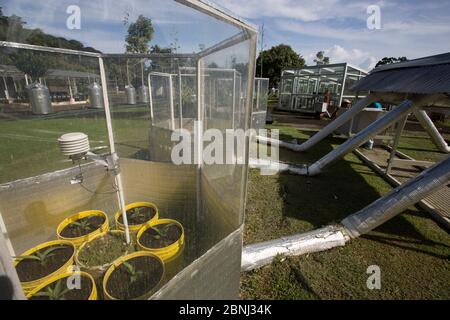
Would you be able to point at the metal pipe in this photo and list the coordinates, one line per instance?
(7, 270)
(337, 123)
(398, 200)
(150, 96)
(118, 178)
(368, 133)
(234, 98)
(429, 126)
(171, 97)
(326, 131)
(180, 97)
(398, 134)
(260, 254)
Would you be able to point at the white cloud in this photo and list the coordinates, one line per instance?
(303, 10)
(356, 57)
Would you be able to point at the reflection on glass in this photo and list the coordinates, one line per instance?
(128, 74)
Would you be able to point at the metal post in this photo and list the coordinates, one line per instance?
(398, 134)
(8, 271)
(172, 113)
(234, 96)
(198, 136)
(150, 96)
(429, 126)
(118, 177)
(258, 90)
(180, 96)
(398, 200)
(6, 89)
(70, 91)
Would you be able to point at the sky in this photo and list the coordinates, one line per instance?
(411, 28)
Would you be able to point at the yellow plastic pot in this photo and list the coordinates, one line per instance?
(30, 285)
(96, 271)
(135, 227)
(78, 241)
(92, 296)
(172, 255)
(123, 259)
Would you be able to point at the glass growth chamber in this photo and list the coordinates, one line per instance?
(84, 69)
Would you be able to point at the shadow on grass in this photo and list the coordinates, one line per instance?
(340, 190)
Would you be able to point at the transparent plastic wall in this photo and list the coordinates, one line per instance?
(260, 101)
(129, 93)
(36, 190)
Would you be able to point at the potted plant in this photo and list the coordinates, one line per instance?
(97, 255)
(138, 214)
(164, 238)
(44, 262)
(134, 277)
(83, 226)
(57, 289)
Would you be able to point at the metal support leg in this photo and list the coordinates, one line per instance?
(398, 134)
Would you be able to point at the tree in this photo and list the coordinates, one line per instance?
(321, 59)
(140, 33)
(275, 60)
(390, 60)
(31, 63)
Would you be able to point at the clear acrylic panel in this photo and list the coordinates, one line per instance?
(130, 96)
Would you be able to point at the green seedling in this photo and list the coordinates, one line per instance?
(83, 224)
(137, 213)
(55, 293)
(42, 257)
(134, 274)
(161, 230)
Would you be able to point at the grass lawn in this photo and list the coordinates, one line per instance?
(29, 145)
(411, 250)
(419, 146)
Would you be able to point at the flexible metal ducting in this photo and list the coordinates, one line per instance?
(398, 200)
(326, 131)
(260, 254)
(429, 126)
(363, 136)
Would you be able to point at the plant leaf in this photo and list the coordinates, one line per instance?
(29, 257)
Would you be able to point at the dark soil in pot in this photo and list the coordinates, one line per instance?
(124, 285)
(63, 293)
(139, 215)
(82, 226)
(160, 236)
(30, 270)
(104, 250)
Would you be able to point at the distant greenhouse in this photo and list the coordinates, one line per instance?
(316, 89)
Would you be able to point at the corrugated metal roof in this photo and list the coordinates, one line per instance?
(427, 75)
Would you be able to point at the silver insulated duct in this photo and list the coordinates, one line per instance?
(130, 91)
(429, 126)
(143, 94)
(39, 96)
(398, 200)
(96, 96)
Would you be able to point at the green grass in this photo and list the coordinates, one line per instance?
(29, 145)
(419, 146)
(411, 249)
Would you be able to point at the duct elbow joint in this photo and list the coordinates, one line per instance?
(313, 170)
